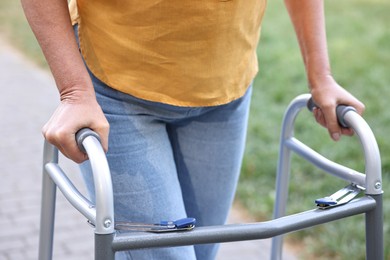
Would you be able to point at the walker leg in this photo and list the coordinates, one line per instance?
(374, 230)
(48, 202)
(282, 181)
(103, 247)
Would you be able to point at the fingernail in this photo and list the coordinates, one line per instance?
(336, 136)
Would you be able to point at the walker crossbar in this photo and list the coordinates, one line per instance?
(240, 232)
(325, 164)
(108, 241)
(83, 205)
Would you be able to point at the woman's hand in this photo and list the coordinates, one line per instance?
(74, 113)
(327, 95)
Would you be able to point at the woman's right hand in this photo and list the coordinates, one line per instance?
(70, 116)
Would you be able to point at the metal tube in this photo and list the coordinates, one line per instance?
(283, 167)
(374, 230)
(83, 205)
(103, 186)
(239, 232)
(103, 247)
(48, 202)
(373, 168)
(325, 164)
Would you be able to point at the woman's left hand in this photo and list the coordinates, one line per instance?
(328, 94)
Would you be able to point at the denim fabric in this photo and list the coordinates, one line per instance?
(171, 162)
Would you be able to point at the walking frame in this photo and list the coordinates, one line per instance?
(108, 241)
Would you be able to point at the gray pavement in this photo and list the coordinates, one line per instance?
(27, 99)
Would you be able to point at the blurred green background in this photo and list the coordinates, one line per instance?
(359, 41)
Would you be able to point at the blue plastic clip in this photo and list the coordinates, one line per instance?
(180, 223)
(340, 197)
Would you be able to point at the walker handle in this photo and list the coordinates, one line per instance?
(89, 142)
(341, 110)
(82, 134)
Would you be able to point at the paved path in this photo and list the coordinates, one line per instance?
(27, 99)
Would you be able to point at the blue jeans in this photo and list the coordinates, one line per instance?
(171, 162)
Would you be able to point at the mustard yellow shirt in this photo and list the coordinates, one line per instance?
(179, 52)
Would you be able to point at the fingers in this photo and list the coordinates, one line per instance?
(65, 141)
(331, 122)
(62, 127)
(327, 118)
(319, 116)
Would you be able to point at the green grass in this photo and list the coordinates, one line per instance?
(359, 41)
